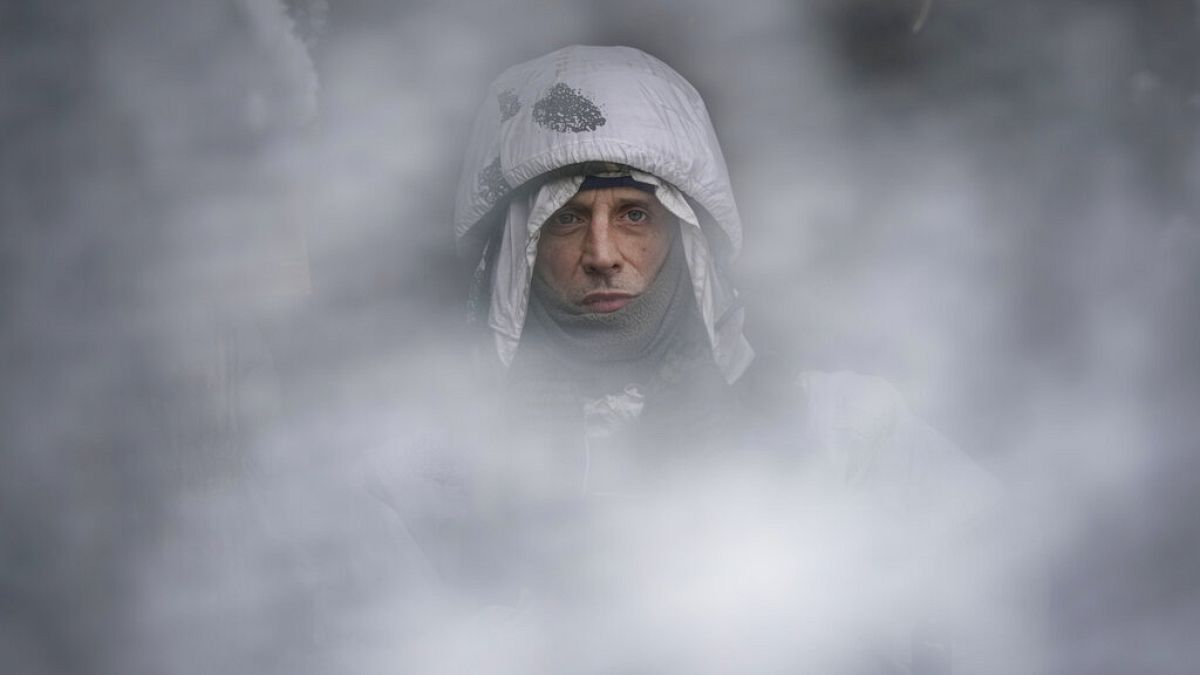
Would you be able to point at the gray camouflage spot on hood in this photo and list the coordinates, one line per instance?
(510, 105)
(565, 109)
(491, 183)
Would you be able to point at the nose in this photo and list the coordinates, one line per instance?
(601, 256)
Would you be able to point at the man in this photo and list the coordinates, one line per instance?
(597, 199)
(596, 202)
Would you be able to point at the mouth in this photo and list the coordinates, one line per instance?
(606, 301)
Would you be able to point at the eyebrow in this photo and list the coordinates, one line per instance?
(635, 201)
(620, 203)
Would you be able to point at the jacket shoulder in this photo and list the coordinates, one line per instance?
(864, 430)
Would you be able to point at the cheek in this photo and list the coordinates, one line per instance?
(654, 251)
(552, 260)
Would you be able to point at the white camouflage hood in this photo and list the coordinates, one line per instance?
(598, 104)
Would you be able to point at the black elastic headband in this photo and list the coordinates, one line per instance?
(604, 182)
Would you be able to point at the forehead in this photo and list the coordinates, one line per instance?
(616, 195)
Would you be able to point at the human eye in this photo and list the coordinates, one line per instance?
(636, 215)
(564, 220)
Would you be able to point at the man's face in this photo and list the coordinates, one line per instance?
(603, 248)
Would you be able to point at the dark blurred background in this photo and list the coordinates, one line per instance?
(226, 260)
